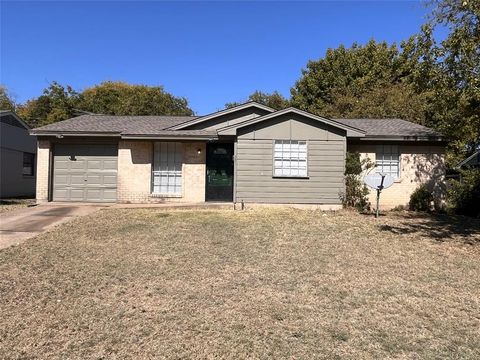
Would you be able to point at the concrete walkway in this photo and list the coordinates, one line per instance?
(19, 225)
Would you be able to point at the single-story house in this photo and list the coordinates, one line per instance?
(249, 153)
(17, 157)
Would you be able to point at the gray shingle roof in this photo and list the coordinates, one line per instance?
(158, 125)
(389, 127)
(150, 125)
(174, 133)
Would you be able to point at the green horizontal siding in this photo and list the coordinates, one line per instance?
(255, 181)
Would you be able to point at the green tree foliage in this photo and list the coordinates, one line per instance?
(6, 100)
(461, 49)
(448, 73)
(355, 190)
(60, 102)
(119, 98)
(274, 100)
(456, 110)
(55, 104)
(464, 194)
(361, 81)
(385, 101)
(421, 199)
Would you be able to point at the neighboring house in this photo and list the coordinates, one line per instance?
(472, 162)
(249, 153)
(17, 157)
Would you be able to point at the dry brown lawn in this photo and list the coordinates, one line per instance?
(145, 283)
(7, 205)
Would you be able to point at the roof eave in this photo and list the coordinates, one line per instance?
(72, 133)
(412, 138)
(355, 134)
(169, 137)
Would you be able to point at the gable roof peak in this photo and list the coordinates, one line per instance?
(351, 130)
(230, 110)
(9, 113)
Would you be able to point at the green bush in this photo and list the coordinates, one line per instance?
(421, 199)
(464, 194)
(399, 208)
(355, 190)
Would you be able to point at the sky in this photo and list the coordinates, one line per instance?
(209, 52)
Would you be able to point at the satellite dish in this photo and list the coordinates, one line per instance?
(377, 180)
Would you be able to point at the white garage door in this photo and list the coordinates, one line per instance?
(85, 173)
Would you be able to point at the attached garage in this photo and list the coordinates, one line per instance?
(85, 172)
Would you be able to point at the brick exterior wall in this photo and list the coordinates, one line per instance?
(43, 170)
(134, 171)
(194, 172)
(134, 177)
(419, 164)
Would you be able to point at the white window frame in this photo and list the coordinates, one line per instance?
(288, 158)
(386, 158)
(167, 169)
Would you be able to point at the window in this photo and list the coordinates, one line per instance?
(167, 168)
(28, 164)
(388, 160)
(290, 158)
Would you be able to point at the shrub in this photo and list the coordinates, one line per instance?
(421, 199)
(464, 194)
(399, 208)
(355, 190)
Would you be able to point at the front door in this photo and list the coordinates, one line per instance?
(219, 185)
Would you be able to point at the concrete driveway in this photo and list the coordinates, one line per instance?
(19, 225)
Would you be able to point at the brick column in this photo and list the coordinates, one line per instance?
(43, 170)
(194, 172)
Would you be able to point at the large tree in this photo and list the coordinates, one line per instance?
(57, 103)
(425, 81)
(6, 100)
(274, 100)
(457, 100)
(360, 81)
(447, 73)
(120, 98)
(383, 101)
(60, 102)
(461, 48)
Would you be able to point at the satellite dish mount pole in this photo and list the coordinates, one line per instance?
(378, 181)
(379, 190)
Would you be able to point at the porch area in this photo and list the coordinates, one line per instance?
(169, 172)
